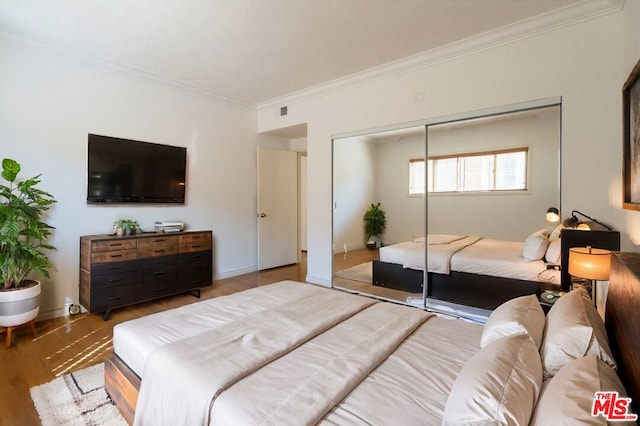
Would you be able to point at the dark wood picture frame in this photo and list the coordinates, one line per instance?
(631, 140)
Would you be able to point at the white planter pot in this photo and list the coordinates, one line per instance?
(19, 305)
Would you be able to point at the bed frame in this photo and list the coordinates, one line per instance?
(480, 291)
(622, 322)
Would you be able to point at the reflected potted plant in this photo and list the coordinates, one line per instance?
(23, 238)
(125, 226)
(374, 224)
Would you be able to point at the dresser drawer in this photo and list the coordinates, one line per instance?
(111, 245)
(114, 256)
(200, 237)
(157, 272)
(195, 280)
(164, 247)
(159, 241)
(114, 297)
(195, 256)
(157, 288)
(194, 266)
(112, 280)
(194, 246)
(151, 262)
(113, 267)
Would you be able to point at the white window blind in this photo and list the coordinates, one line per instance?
(504, 170)
(416, 176)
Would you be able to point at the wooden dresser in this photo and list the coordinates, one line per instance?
(122, 271)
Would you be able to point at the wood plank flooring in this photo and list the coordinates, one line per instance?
(67, 344)
(71, 343)
(355, 257)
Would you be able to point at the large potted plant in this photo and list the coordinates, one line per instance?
(374, 224)
(23, 238)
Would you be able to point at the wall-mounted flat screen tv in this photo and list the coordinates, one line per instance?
(128, 171)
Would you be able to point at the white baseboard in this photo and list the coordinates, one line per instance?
(235, 273)
(339, 250)
(56, 313)
(318, 280)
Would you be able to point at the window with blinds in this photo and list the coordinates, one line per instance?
(504, 170)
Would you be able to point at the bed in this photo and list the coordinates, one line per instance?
(295, 353)
(467, 270)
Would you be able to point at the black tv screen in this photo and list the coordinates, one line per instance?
(128, 171)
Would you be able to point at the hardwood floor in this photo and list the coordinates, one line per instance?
(67, 344)
(355, 257)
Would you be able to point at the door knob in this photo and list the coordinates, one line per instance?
(262, 215)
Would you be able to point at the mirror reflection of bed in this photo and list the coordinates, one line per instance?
(377, 167)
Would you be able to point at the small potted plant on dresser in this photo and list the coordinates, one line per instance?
(125, 226)
(23, 237)
(374, 224)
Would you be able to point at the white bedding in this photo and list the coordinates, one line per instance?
(411, 254)
(473, 255)
(334, 377)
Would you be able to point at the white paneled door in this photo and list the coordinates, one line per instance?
(277, 208)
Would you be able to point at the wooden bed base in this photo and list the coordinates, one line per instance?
(122, 385)
(479, 291)
(622, 323)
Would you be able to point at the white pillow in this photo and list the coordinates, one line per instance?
(573, 330)
(555, 234)
(519, 315)
(498, 385)
(554, 251)
(535, 246)
(567, 398)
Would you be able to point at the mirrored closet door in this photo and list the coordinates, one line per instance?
(492, 175)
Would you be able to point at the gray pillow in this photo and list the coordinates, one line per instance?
(498, 385)
(519, 315)
(574, 329)
(567, 398)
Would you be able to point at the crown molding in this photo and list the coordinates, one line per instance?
(548, 22)
(551, 21)
(62, 54)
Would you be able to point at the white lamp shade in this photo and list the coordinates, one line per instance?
(589, 263)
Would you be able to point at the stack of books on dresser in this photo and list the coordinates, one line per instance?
(169, 226)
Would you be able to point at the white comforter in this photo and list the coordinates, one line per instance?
(367, 368)
(439, 253)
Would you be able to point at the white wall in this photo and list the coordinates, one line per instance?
(354, 180)
(509, 215)
(585, 63)
(404, 213)
(48, 107)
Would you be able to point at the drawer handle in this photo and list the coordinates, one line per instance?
(159, 240)
(196, 237)
(115, 244)
(196, 245)
(114, 280)
(114, 268)
(159, 272)
(115, 298)
(197, 256)
(159, 250)
(116, 255)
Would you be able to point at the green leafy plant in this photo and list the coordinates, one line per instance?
(129, 225)
(374, 221)
(23, 234)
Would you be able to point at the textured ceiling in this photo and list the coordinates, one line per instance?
(250, 51)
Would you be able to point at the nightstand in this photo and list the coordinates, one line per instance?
(548, 298)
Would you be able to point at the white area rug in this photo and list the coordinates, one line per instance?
(362, 272)
(78, 398)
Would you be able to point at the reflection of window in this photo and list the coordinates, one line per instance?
(504, 170)
(416, 176)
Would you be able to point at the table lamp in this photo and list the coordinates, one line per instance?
(591, 264)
